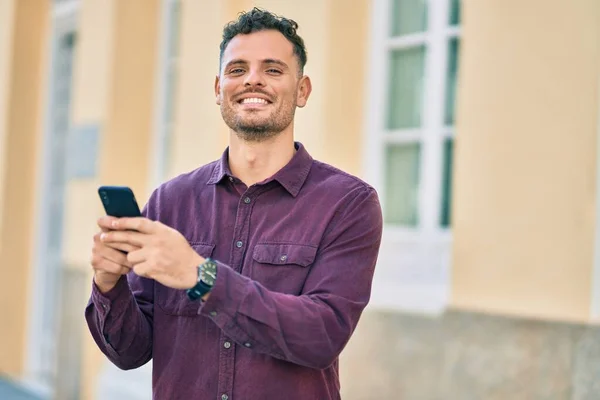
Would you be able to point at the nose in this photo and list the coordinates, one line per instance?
(254, 78)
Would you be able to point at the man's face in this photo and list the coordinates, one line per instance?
(259, 86)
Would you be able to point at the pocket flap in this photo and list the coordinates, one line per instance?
(203, 249)
(282, 254)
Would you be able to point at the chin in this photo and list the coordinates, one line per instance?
(253, 121)
(255, 129)
(256, 136)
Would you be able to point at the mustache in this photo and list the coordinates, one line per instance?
(253, 91)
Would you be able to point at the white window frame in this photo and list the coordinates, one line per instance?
(394, 286)
(63, 20)
(163, 128)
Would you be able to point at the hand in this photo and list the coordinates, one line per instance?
(162, 253)
(108, 262)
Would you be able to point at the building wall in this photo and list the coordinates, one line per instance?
(525, 182)
(525, 176)
(518, 324)
(6, 42)
(21, 65)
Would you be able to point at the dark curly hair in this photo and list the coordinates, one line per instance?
(260, 20)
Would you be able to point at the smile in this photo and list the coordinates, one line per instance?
(253, 100)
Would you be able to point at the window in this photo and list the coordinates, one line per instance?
(167, 88)
(422, 46)
(410, 138)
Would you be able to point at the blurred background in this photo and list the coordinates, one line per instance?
(477, 121)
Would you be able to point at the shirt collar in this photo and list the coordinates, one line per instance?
(292, 176)
(221, 169)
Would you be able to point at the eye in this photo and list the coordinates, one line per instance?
(236, 71)
(274, 71)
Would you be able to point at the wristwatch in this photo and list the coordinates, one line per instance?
(207, 274)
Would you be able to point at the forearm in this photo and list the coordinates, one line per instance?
(120, 328)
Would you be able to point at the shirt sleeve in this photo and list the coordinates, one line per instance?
(311, 329)
(121, 320)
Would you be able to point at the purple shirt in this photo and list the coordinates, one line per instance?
(296, 255)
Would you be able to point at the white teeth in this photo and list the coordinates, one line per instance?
(254, 100)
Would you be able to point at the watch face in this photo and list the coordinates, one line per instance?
(208, 272)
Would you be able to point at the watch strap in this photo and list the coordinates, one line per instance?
(201, 287)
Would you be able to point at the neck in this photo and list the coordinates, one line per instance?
(254, 162)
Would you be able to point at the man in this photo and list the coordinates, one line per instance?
(246, 277)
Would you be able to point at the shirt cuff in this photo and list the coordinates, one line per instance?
(225, 296)
(116, 298)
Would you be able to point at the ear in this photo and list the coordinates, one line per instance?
(218, 90)
(304, 90)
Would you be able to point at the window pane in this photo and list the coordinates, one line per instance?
(170, 91)
(454, 12)
(406, 88)
(408, 16)
(447, 182)
(167, 147)
(451, 76)
(402, 184)
(175, 23)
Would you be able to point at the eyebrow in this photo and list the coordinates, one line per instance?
(240, 61)
(274, 61)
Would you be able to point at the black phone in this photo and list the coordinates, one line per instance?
(119, 201)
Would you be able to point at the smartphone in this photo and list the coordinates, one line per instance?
(119, 201)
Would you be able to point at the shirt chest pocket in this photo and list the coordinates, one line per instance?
(175, 301)
(282, 267)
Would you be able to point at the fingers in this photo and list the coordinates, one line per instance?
(128, 237)
(137, 256)
(142, 270)
(112, 255)
(108, 259)
(101, 263)
(122, 247)
(106, 223)
(138, 224)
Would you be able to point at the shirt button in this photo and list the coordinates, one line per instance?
(227, 345)
(231, 179)
(104, 306)
(239, 243)
(224, 397)
(247, 344)
(283, 258)
(213, 313)
(247, 200)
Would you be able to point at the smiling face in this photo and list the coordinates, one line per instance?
(259, 86)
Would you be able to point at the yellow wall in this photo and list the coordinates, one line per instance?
(199, 134)
(23, 122)
(525, 158)
(6, 42)
(345, 77)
